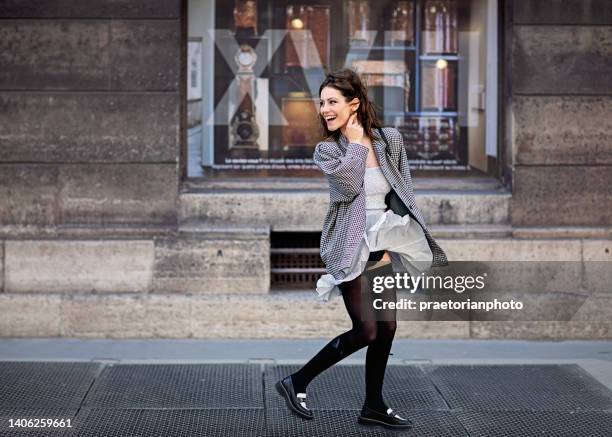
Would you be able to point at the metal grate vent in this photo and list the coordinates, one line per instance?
(296, 263)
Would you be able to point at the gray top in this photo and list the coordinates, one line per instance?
(376, 188)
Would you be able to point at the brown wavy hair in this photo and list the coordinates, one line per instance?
(350, 86)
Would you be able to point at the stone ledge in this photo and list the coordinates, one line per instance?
(203, 231)
(237, 260)
(145, 230)
(290, 315)
(441, 183)
(290, 210)
(86, 231)
(78, 265)
(562, 232)
(470, 231)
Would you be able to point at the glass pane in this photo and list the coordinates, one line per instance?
(268, 59)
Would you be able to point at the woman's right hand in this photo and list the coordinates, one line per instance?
(353, 131)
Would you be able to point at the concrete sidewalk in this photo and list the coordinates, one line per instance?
(226, 387)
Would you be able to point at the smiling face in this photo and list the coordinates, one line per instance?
(334, 108)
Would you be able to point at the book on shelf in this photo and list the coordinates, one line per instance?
(440, 30)
(438, 90)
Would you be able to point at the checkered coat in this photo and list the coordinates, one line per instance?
(344, 165)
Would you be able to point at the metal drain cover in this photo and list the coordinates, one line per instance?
(520, 387)
(178, 386)
(44, 385)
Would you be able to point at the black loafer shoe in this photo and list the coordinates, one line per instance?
(388, 420)
(295, 401)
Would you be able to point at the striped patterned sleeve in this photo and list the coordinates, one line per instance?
(344, 172)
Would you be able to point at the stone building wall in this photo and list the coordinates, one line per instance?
(561, 99)
(90, 110)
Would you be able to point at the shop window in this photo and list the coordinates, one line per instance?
(254, 109)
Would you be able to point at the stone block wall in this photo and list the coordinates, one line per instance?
(90, 113)
(561, 92)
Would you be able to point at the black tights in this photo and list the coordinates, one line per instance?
(377, 335)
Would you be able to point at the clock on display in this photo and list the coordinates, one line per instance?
(245, 58)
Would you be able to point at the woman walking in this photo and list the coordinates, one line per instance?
(364, 164)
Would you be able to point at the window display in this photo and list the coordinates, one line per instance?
(270, 57)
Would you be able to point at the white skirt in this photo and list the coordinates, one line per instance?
(403, 237)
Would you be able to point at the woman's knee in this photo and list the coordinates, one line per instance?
(386, 329)
(367, 332)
